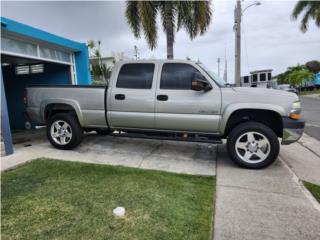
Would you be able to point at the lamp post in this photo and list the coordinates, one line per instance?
(238, 12)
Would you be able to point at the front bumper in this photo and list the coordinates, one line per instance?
(292, 130)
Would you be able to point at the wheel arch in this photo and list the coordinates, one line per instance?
(52, 106)
(271, 117)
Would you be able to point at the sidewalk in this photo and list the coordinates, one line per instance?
(263, 204)
(303, 158)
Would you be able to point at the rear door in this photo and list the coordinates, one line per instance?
(131, 102)
(182, 109)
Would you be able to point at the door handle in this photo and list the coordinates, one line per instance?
(120, 96)
(162, 97)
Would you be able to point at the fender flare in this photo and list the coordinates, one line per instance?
(231, 108)
(73, 104)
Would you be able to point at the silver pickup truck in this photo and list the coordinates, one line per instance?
(171, 100)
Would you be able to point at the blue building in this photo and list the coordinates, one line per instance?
(33, 56)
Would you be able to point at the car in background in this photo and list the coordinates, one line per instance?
(288, 88)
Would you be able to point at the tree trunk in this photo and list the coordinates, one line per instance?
(169, 28)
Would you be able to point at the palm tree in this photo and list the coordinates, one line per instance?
(311, 9)
(193, 16)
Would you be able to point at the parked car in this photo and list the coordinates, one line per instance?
(288, 88)
(171, 100)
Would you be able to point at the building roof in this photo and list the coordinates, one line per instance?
(9, 26)
(259, 71)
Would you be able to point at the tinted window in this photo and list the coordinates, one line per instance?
(254, 77)
(262, 76)
(269, 76)
(178, 76)
(137, 76)
(246, 79)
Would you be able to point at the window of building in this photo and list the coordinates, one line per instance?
(246, 79)
(26, 69)
(54, 54)
(178, 76)
(137, 76)
(269, 76)
(17, 46)
(262, 77)
(254, 77)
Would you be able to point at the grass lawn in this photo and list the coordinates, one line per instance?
(314, 189)
(51, 199)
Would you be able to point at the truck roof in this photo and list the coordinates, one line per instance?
(158, 60)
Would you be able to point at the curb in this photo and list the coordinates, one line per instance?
(305, 191)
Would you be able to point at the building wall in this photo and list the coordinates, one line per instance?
(80, 49)
(15, 84)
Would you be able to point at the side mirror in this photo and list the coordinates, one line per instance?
(200, 85)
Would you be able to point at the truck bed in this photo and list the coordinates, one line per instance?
(88, 102)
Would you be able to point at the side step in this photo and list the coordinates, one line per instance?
(169, 138)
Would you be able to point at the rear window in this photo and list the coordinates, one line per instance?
(136, 76)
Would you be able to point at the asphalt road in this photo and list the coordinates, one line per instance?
(311, 114)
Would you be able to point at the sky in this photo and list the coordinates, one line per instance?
(270, 39)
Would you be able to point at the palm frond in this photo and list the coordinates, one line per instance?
(148, 14)
(299, 7)
(133, 18)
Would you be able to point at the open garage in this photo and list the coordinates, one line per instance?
(31, 56)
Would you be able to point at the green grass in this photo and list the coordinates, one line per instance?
(314, 189)
(50, 199)
(315, 91)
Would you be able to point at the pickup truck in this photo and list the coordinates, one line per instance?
(171, 100)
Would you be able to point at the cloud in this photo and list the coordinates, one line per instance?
(270, 39)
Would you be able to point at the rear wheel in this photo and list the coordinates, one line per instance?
(253, 145)
(64, 131)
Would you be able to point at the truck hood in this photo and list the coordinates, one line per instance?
(259, 97)
(265, 92)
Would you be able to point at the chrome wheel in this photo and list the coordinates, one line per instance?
(61, 132)
(252, 147)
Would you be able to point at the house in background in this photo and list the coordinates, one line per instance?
(33, 56)
(259, 78)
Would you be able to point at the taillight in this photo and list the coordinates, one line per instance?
(25, 97)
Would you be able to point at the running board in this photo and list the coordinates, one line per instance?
(157, 137)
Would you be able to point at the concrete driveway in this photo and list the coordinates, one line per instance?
(172, 156)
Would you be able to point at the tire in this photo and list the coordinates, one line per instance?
(103, 131)
(253, 145)
(71, 131)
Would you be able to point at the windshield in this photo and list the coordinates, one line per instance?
(213, 75)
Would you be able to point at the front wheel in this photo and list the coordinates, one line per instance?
(253, 145)
(64, 131)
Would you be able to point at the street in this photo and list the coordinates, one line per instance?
(311, 114)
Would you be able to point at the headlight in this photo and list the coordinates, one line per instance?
(296, 104)
(295, 110)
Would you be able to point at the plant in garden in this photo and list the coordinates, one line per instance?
(311, 10)
(99, 70)
(193, 16)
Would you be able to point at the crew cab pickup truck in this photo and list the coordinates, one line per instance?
(171, 100)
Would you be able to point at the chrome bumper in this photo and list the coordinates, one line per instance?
(292, 130)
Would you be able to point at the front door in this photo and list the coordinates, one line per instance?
(132, 96)
(180, 108)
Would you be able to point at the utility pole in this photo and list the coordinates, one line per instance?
(238, 12)
(136, 52)
(218, 66)
(237, 29)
